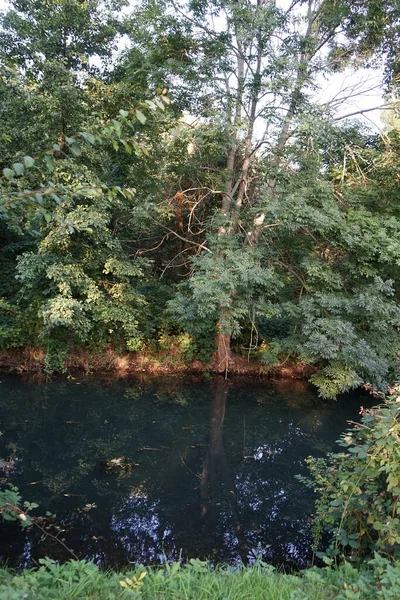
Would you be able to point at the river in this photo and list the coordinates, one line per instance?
(141, 471)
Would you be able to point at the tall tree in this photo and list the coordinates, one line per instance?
(278, 236)
(55, 48)
(292, 239)
(264, 61)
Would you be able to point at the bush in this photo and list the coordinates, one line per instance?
(359, 488)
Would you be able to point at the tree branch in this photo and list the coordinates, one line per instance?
(365, 110)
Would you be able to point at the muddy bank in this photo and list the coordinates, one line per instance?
(32, 360)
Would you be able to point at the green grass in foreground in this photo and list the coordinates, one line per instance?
(80, 580)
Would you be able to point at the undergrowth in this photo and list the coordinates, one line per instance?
(80, 580)
(359, 487)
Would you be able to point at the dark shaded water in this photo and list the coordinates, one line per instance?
(213, 476)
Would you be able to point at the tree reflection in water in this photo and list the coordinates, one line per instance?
(213, 467)
(216, 464)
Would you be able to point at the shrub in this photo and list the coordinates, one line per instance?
(359, 488)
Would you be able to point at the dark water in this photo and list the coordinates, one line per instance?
(213, 476)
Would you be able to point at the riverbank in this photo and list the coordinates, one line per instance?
(198, 581)
(169, 361)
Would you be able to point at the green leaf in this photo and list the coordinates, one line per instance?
(76, 150)
(90, 138)
(127, 147)
(117, 127)
(29, 162)
(19, 168)
(124, 113)
(49, 160)
(8, 174)
(141, 117)
(337, 502)
(7, 516)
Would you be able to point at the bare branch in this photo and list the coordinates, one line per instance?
(144, 251)
(202, 246)
(172, 260)
(365, 110)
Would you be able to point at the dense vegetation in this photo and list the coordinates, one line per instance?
(194, 189)
(171, 178)
(359, 488)
(197, 581)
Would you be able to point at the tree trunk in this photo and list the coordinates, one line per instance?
(231, 205)
(223, 355)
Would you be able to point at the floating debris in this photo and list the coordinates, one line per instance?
(119, 463)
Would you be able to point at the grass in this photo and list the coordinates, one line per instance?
(80, 580)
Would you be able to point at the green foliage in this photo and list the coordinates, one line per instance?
(50, 46)
(359, 488)
(98, 177)
(177, 347)
(78, 286)
(225, 284)
(79, 281)
(50, 578)
(198, 581)
(13, 509)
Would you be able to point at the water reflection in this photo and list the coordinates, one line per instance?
(206, 469)
(217, 472)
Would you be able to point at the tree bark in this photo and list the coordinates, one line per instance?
(224, 353)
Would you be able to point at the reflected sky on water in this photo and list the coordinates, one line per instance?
(170, 467)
